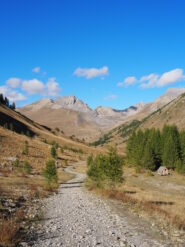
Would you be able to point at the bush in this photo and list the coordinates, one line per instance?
(27, 167)
(62, 150)
(27, 133)
(50, 172)
(53, 152)
(106, 167)
(16, 163)
(25, 151)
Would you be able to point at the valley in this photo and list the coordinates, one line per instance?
(92, 123)
(136, 204)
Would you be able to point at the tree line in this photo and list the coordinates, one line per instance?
(151, 148)
(5, 101)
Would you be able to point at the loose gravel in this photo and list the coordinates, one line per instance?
(77, 218)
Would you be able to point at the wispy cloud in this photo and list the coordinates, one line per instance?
(131, 80)
(12, 95)
(36, 70)
(155, 80)
(53, 88)
(90, 73)
(13, 82)
(110, 97)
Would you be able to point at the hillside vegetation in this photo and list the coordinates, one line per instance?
(25, 176)
(152, 148)
(172, 113)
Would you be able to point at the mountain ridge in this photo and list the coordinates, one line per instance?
(75, 117)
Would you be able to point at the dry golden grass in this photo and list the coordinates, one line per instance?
(160, 197)
(9, 233)
(14, 182)
(80, 167)
(10, 229)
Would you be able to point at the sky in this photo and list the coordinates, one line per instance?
(106, 52)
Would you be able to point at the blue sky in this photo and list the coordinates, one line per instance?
(113, 53)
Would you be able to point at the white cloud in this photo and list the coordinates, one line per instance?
(25, 88)
(167, 78)
(111, 97)
(53, 87)
(36, 70)
(33, 86)
(155, 80)
(13, 96)
(3, 90)
(90, 73)
(13, 82)
(131, 80)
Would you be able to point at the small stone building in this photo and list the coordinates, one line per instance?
(163, 171)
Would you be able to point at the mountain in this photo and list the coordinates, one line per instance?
(20, 125)
(164, 99)
(171, 113)
(74, 117)
(167, 109)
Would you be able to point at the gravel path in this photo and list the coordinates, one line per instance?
(74, 217)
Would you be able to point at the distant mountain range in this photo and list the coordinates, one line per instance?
(167, 109)
(74, 117)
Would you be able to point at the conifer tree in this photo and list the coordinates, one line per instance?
(182, 144)
(149, 157)
(170, 153)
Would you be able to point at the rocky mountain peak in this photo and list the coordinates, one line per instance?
(73, 103)
(104, 111)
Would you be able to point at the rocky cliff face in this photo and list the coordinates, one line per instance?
(71, 102)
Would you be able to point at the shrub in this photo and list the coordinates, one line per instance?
(16, 163)
(106, 167)
(27, 167)
(53, 152)
(61, 149)
(50, 172)
(25, 151)
(27, 133)
(56, 145)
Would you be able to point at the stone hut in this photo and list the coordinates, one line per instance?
(163, 171)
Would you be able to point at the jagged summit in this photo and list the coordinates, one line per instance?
(74, 116)
(71, 102)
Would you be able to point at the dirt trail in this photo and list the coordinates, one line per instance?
(76, 217)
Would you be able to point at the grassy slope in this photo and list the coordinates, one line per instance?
(15, 183)
(171, 113)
